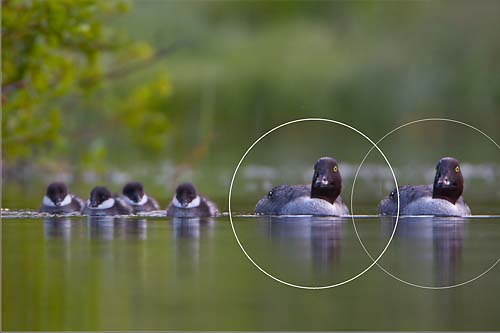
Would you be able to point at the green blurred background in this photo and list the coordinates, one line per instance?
(100, 92)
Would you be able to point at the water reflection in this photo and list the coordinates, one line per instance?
(448, 243)
(433, 243)
(187, 274)
(109, 228)
(190, 227)
(100, 227)
(131, 229)
(189, 234)
(312, 241)
(326, 241)
(57, 227)
(121, 256)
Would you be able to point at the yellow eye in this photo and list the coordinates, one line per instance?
(457, 169)
(335, 169)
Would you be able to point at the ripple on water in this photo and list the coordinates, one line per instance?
(26, 213)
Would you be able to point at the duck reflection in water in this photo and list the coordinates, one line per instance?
(435, 242)
(57, 227)
(190, 227)
(326, 239)
(109, 228)
(63, 230)
(131, 228)
(308, 239)
(190, 236)
(448, 243)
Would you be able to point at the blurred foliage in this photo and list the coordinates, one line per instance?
(253, 65)
(152, 97)
(150, 86)
(56, 59)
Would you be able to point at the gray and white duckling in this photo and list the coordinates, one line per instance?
(321, 198)
(57, 200)
(188, 203)
(102, 203)
(442, 198)
(134, 196)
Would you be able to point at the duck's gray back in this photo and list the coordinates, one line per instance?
(417, 200)
(296, 200)
(279, 197)
(407, 194)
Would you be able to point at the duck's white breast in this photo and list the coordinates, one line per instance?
(431, 206)
(312, 206)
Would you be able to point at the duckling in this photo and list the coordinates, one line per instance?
(57, 200)
(101, 203)
(188, 203)
(134, 196)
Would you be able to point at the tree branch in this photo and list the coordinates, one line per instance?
(111, 75)
(136, 66)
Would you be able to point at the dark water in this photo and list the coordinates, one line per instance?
(154, 273)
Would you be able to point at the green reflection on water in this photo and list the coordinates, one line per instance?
(161, 274)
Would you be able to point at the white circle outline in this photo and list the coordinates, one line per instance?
(231, 218)
(354, 223)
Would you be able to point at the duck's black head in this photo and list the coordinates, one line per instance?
(98, 195)
(448, 182)
(185, 194)
(134, 191)
(326, 182)
(56, 192)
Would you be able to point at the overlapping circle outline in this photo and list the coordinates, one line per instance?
(352, 211)
(375, 261)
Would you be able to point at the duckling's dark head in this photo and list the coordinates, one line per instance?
(326, 182)
(57, 192)
(134, 191)
(98, 195)
(448, 182)
(185, 194)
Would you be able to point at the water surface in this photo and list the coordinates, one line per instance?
(157, 273)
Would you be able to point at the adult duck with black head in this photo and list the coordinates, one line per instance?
(442, 198)
(321, 198)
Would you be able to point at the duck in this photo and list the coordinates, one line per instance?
(134, 196)
(188, 203)
(57, 200)
(442, 198)
(321, 198)
(102, 203)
